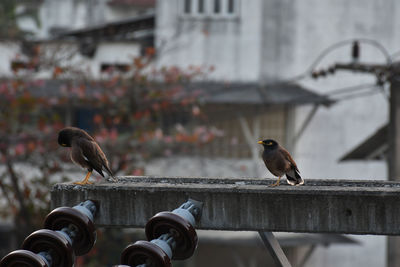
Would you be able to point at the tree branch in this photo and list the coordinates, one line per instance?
(14, 180)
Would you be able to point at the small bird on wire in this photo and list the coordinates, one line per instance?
(279, 162)
(85, 152)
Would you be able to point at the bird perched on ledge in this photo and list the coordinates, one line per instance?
(279, 162)
(85, 152)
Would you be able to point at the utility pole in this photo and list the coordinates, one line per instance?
(393, 243)
(385, 73)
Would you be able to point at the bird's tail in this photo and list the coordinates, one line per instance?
(293, 177)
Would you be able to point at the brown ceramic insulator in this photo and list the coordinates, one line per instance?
(86, 232)
(22, 258)
(56, 244)
(142, 252)
(182, 231)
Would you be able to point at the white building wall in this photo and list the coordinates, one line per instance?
(113, 53)
(231, 44)
(336, 130)
(8, 52)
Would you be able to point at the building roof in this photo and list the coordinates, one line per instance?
(221, 93)
(373, 148)
(121, 29)
(135, 3)
(253, 93)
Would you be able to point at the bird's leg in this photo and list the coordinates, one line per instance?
(277, 182)
(85, 181)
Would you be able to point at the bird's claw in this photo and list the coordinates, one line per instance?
(83, 183)
(273, 185)
(276, 183)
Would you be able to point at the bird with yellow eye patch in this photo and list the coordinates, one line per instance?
(279, 162)
(85, 152)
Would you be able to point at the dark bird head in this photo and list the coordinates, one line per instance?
(269, 144)
(66, 135)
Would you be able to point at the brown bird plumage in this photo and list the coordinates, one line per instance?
(85, 152)
(279, 162)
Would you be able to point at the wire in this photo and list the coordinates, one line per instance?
(341, 93)
(372, 92)
(353, 91)
(329, 49)
(325, 52)
(395, 54)
(350, 41)
(350, 89)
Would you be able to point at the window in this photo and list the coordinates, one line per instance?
(231, 6)
(120, 68)
(201, 6)
(187, 6)
(217, 6)
(233, 143)
(17, 65)
(210, 8)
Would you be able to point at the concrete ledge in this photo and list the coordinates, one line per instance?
(331, 206)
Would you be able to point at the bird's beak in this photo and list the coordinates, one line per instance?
(260, 142)
(64, 144)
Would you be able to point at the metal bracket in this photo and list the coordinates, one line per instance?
(274, 249)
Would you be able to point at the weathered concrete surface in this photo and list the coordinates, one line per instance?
(334, 206)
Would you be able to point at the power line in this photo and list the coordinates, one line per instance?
(372, 42)
(309, 71)
(357, 95)
(350, 89)
(331, 48)
(395, 55)
(350, 92)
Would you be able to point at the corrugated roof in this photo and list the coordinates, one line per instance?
(373, 148)
(253, 93)
(112, 29)
(135, 3)
(215, 93)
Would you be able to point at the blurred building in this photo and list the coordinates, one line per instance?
(255, 48)
(273, 41)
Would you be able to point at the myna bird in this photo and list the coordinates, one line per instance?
(279, 162)
(85, 152)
